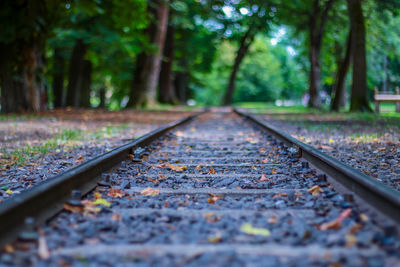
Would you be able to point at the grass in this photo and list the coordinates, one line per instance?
(263, 107)
(66, 138)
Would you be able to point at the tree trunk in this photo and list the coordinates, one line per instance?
(317, 21)
(155, 61)
(339, 86)
(181, 83)
(75, 73)
(58, 77)
(147, 68)
(315, 74)
(245, 43)
(166, 93)
(85, 85)
(359, 90)
(12, 95)
(102, 95)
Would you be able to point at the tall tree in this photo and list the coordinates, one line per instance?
(75, 73)
(340, 80)
(244, 46)
(22, 60)
(359, 90)
(146, 74)
(317, 21)
(58, 77)
(166, 92)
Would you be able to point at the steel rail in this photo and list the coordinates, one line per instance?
(47, 198)
(383, 198)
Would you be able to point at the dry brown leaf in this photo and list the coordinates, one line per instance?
(116, 217)
(172, 167)
(166, 204)
(279, 195)
(153, 180)
(263, 178)
(215, 239)
(272, 219)
(336, 223)
(355, 228)
(198, 167)
(211, 170)
(351, 240)
(115, 192)
(150, 191)
(211, 218)
(214, 198)
(364, 217)
(273, 171)
(315, 190)
(8, 248)
(73, 208)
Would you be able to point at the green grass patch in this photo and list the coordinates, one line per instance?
(22, 155)
(270, 108)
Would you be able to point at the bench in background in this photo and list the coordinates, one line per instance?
(381, 97)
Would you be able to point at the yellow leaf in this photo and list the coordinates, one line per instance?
(101, 201)
(9, 192)
(150, 192)
(315, 190)
(331, 141)
(97, 195)
(351, 240)
(250, 230)
(214, 239)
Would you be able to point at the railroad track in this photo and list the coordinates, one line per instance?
(213, 190)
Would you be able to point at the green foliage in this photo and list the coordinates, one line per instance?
(268, 73)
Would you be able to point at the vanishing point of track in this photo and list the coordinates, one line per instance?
(222, 189)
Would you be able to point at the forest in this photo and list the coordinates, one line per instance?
(326, 54)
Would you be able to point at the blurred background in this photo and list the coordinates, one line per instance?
(320, 54)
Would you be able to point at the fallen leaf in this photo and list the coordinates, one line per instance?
(211, 170)
(214, 198)
(9, 191)
(336, 223)
(172, 167)
(73, 208)
(101, 201)
(315, 190)
(211, 218)
(250, 230)
(273, 171)
(8, 248)
(272, 219)
(279, 195)
(215, 239)
(351, 240)
(166, 204)
(364, 217)
(263, 178)
(116, 217)
(97, 195)
(198, 167)
(43, 250)
(153, 180)
(355, 228)
(115, 192)
(150, 192)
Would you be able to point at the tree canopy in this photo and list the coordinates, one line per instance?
(133, 53)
